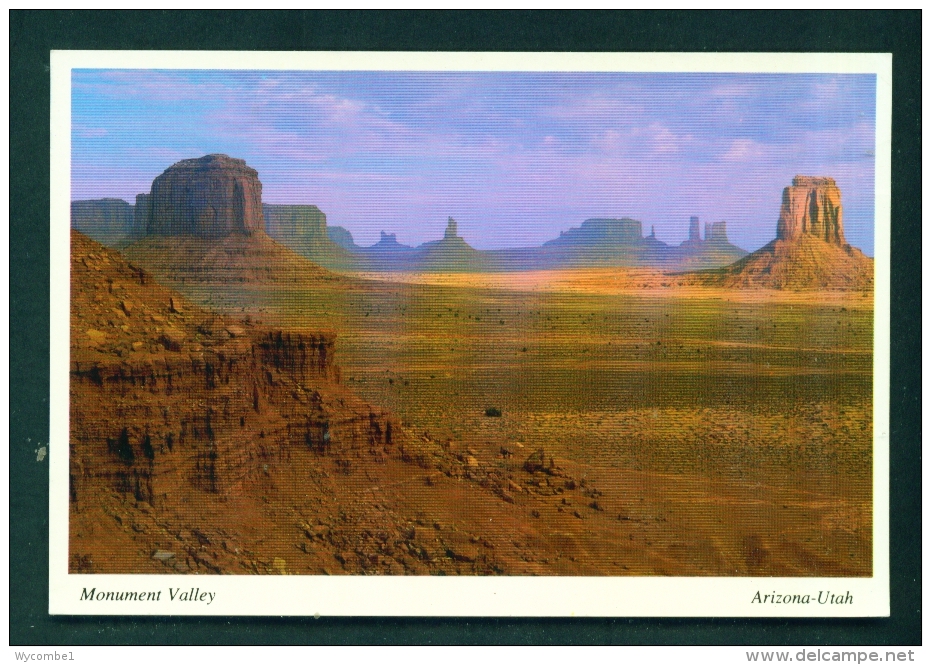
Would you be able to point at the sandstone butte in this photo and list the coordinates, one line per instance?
(810, 250)
(204, 222)
(210, 197)
(811, 207)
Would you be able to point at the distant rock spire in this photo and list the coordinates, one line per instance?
(450, 229)
(716, 233)
(694, 229)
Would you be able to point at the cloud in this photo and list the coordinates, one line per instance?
(744, 150)
(664, 141)
(538, 152)
(733, 90)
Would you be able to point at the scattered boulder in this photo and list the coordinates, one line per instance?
(96, 336)
(536, 461)
(172, 340)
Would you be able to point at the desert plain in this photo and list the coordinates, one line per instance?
(595, 421)
(722, 432)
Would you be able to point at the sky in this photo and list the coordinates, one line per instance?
(514, 157)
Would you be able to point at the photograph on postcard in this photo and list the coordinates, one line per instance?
(480, 323)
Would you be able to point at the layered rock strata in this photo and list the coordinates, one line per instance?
(164, 393)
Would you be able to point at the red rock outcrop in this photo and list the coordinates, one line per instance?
(211, 197)
(811, 206)
(164, 393)
(201, 444)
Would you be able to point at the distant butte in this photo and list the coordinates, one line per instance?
(209, 197)
(303, 228)
(809, 252)
(205, 224)
(811, 206)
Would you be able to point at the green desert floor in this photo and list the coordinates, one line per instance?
(743, 417)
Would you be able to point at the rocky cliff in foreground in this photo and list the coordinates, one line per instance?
(166, 394)
(205, 444)
(186, 426)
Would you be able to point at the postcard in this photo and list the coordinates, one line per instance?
(470, 334)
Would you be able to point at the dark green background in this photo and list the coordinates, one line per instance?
(33, 34)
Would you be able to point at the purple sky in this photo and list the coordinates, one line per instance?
(514, 157)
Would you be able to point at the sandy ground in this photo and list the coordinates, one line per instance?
(584, 422)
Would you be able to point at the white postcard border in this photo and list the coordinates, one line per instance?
(459, 596)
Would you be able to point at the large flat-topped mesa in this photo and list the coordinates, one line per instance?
(211, 197)
(294, 221)
(109, 221)
(811, 206)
